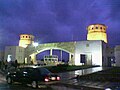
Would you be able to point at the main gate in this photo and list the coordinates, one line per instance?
(32, 51)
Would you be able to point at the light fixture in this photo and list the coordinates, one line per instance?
(35, 44)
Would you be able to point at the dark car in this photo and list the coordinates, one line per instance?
(34, 75)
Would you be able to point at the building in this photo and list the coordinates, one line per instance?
(110, 56)
(97, 32)
(25, 40)
(93, 51)
(18, 52)
(13, 53)
(90, 53)
(117, 55)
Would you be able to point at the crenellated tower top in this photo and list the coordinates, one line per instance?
(25, 40)
(97, 32)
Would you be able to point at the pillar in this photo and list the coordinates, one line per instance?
(61, 55)
(70, 62)
(71, 57)
(33, 58)
(51, 51)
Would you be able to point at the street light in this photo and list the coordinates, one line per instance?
(108, 89)
(35, 44)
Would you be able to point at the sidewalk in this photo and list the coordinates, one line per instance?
(68, 80)
(72, 74)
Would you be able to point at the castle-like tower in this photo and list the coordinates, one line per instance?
(97, 32)
(25, 40)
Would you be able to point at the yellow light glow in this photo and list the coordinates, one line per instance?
(97, 32)
(25, 40)
(33, 58)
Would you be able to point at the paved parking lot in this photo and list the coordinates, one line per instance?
(69, 82)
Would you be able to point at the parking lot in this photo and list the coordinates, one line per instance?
(69, 80)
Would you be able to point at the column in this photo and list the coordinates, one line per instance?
(51, 51)
(71, 58)
(33, 58)
(70, 62)
(61, 55)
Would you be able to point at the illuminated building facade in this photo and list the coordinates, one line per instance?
(91, 53)
(97, 32)
(25, 40)
(13, 53)
(81, 52)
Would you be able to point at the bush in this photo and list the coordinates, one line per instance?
(62, 65)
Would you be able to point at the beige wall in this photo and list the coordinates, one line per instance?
(92, 50)
(16, 52)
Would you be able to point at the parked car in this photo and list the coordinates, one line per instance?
(34, 75)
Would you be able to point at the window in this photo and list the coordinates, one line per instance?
(87, 45)
(26, 36)
(96, 27)
(100, 27)
(44, 71)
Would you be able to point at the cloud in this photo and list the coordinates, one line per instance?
(56, 20)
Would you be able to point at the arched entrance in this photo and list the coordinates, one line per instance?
(61, 55)
(66, 49)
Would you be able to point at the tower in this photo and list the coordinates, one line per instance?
(25, 40)
(97, 32)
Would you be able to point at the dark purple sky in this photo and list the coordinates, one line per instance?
(57, 20)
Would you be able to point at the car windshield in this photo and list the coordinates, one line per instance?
(44, 71)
